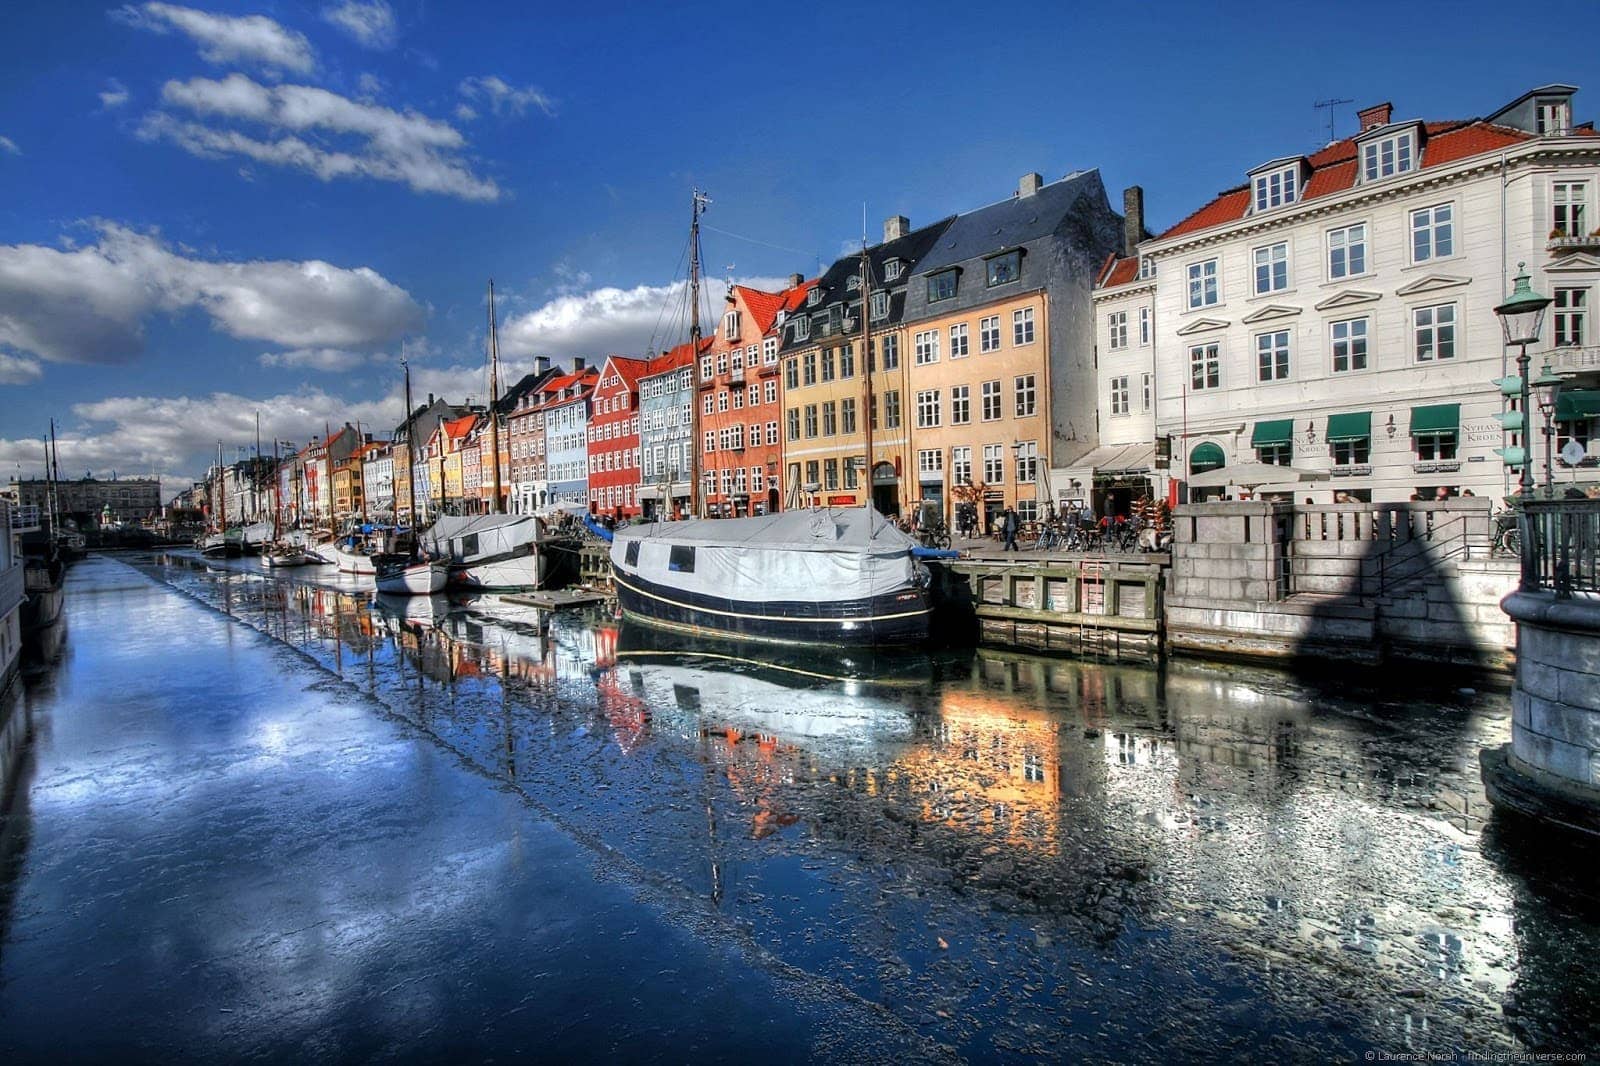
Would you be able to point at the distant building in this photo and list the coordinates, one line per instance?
(86, 499)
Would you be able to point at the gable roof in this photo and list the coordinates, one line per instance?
(763, 306)
(1334, 167)
(1117, 270)
(1010, 223)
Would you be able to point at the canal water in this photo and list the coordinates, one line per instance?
(259, 816)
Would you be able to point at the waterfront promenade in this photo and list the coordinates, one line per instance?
(264, 817)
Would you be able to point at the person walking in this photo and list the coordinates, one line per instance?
(1008, 529)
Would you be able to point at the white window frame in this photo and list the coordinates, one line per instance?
(1120, 397)
(1022, 331)
(926, 346)
(960, 346)
(1274, 260)
(1274, 357)
(769, 351)
(1386, 157)
(989, 334)
(1343, 241)
(1144, 327)
(1569, 214)
(1025, 395)
(991, 399)
(930, 461)
(1204, 279)
(1350, 333)
(1027, 458)
(1207, 358)
(960, 405)
(961, 464)
(1569, 315)
(1147, 391)
(994, 464)
(928, 409)
(1276, 188)
(1426, 220)
(1431, 329)
(1117, 323)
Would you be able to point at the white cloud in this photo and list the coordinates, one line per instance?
(370, 23)
(9, 147)
(18, 370)
(332, 360)
(89, 304)
(224, 39)
(503, 99)
(601, 321)
(370, 86)
(464, 113)
(115, 94)
(386, 145)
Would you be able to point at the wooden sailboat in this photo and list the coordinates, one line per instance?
(404, 572)
(278, 554)
(217, 544)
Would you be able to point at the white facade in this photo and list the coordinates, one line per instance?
(1375, 300)
(377, 482)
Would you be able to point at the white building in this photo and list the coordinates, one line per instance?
(377, 478)
(1335, 312)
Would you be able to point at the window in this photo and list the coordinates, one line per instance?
(769, 392)
(738, 399)
(880, 305)
(1272, 268)
(1432, 233)
(941, 286)
(1435, 331)
(769, 351)
(1118, 321)
(813, 472)
(930, 461)
(852, 283)
(708, 404)
(991, 401)
(1026, 395)
(1569, 313)
(813, 298)
(1202, 284)
(1027, 462)
(1387, 156)
(1272, 356)
(1004, 268)
(1022, 326)
(772, 431)
(1347, 251)
(847, 416)
(958, 341)
(1205, 367)
(891, 352)
(1349, 345)
(1277, 188)
(808, 373)
(1552, 116)
(681, 558)
(827, 364)
(792, 417)
(961, 466)
(791, 374)
(850, 479)
(1352, 452)
(927, 408)
(1144, 327)
(960, 405)
(1147, 391)
(891, 409)
(811, 420)
(892, 269)
(847, 361)
(1276, 454)
(1435, 446)
(926, 346)
(1569, 206)
(711, 440)
(830, 419)
(1147, 267)
(1119, 396)
(736, 360)
(993, 464)
(989, 333)
(830, 474)
(730, 326)
(722, 399)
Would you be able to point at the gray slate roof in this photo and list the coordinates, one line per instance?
(1009, 223)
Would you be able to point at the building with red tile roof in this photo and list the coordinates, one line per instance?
(1335, 312)
(614, 438)
(666, 391)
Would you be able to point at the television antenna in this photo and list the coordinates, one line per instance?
(1330, 105)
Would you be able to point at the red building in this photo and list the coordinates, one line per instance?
(741, 408)
(614, 438)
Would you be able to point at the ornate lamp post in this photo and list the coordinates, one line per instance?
(1522, 319)
(1549, 385)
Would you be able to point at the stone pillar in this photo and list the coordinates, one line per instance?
(1551, 768)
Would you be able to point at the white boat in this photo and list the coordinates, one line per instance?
(400, 577)
(825, 576)
(282, 555)
(492, 551)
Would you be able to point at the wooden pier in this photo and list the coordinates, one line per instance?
(1076, 604)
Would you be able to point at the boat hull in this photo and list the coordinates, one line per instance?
(353, 562)
(421, 579)
(894, 618)
(518, 573)
(279, 560)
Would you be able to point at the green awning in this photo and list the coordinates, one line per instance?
(1440, 418)
(1575, 404)
(1205, 457)
(1277, 431)
(1354, 425)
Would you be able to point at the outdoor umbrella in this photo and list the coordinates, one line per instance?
(1252, 475)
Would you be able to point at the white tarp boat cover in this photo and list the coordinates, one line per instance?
(817, 555)
(470, 537)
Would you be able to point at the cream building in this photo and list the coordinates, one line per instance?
(1335, 312)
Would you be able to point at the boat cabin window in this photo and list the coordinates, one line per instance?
(467, 545)
(633, 553)
(682, 559)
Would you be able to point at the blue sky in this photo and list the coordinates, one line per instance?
(212, 210)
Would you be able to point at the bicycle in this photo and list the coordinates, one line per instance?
(1507, 536)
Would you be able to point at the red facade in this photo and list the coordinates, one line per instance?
(614, 439)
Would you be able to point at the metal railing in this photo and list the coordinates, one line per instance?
(11, 590)
(1561, 546)
(25, 518)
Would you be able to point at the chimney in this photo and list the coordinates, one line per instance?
(541, 363)
(430, 399)
(1375, 116)
(1029, 184)
(895, 227)
(797, 280)
(578, 364)
(1132, 220)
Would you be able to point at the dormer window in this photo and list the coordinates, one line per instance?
(814, 297)
(730, 326)
(942, 286)
(1385, 157)
(1006, 267)
(880, 305)
(802, 328)
(1277, 187)
(852, 283)
(1147, 267)
(1553, 115)
(892, 269)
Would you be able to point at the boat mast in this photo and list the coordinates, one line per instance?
(255, 476)
(222, 495)
(867, 359)
(411, 455)
(277, 490)
(494, 401)
(327, 467)
(699, 200)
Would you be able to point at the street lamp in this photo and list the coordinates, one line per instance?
(1549, 385)
(1522, 319)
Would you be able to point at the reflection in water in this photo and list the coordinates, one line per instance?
(1017, 855)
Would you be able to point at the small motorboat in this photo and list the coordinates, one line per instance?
(284, 555)
(404, 576)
